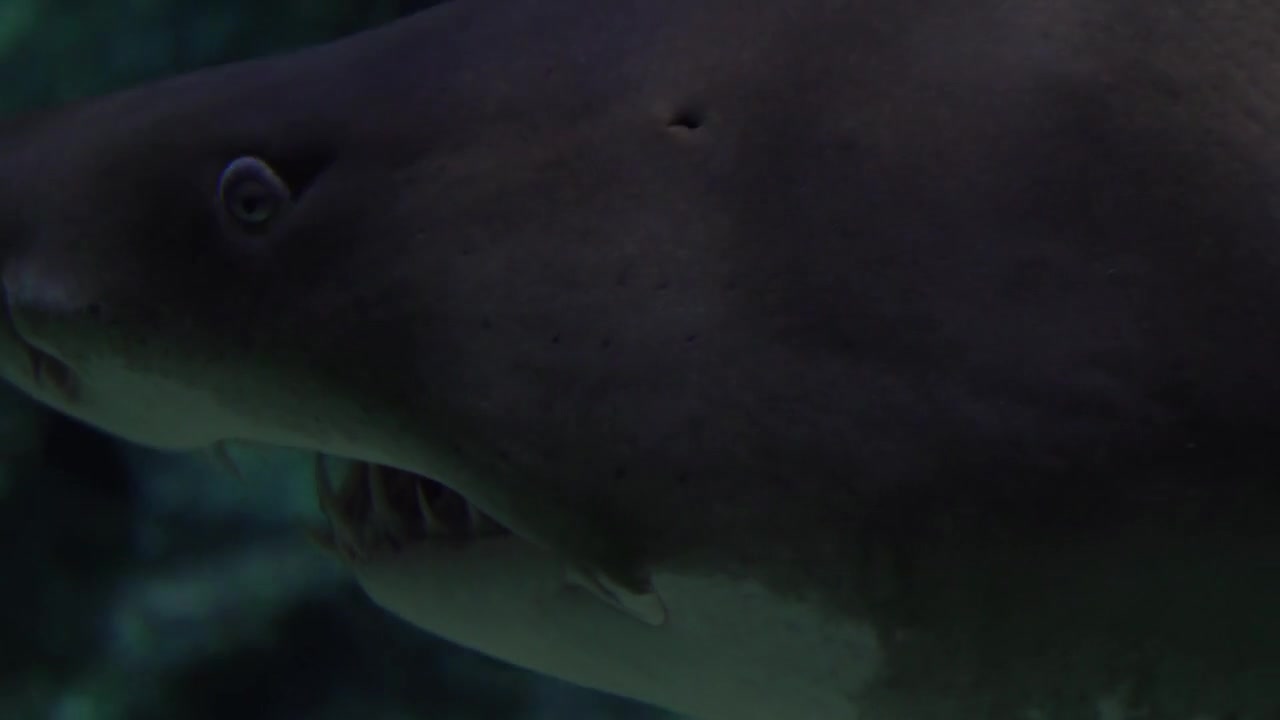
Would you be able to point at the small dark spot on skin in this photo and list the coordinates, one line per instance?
(690, 338)
(663, 285)
(486, 323)
(555, 339)
(606, 343)
(686, 119)
(682, 479)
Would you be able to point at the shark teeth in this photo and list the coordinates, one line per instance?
(431, 522)
(51, 374)
(375, 511)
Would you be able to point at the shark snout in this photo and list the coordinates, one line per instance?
(37, 300)
(30, 288)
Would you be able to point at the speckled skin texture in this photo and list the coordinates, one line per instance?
(950, 325)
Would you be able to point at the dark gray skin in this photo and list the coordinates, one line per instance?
(915, 359)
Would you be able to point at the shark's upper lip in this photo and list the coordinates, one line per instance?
(46, 372)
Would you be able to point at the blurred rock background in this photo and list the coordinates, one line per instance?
(136, 585)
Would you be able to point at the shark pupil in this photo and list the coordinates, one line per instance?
(253, 204)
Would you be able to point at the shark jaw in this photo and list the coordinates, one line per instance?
(376, 512)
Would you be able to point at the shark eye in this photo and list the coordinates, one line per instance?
(252, 194)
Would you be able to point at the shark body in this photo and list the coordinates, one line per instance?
(840, 359)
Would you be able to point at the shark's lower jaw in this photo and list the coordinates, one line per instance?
(375, 511)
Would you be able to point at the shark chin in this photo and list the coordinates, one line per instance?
(426, 554)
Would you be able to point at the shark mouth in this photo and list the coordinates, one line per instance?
(375, 511)
(372, 510)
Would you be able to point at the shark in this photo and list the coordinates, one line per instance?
(823, 358)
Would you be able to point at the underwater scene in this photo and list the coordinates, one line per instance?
(639, 360)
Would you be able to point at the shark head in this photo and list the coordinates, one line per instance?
(472, 246)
